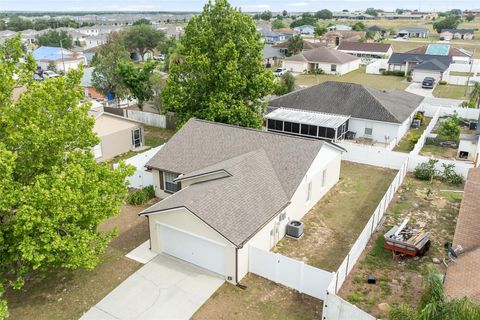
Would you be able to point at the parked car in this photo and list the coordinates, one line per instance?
(280, 71)
(37, 77)
(50, 74)
(428, 83)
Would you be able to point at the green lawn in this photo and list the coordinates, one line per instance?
(358, 76)
(450, 91)
(438, 152)
(461, 74)
(403, 145)
(335, 222)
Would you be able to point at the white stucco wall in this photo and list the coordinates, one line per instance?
(419, 75)
(294, 66)
(183, 219)
(380, 129)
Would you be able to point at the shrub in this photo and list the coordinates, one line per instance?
(285, 85)
(412, 139)
(141, 196)
(409, 78)
(426, 170)
(442, 82)
(393, 73)
(449, 130)
(450, 176)
(419, 116)
(316, 71)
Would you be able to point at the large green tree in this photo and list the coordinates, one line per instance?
(295, 44)
(220, 75)
(324, 14)
(137, 79)
(142, 37)
(55, 38)
(53, 194)
(450, 22)
(105, 77)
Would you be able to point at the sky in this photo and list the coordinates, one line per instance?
(246, 5)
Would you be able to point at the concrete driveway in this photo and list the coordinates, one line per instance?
(165, 288)
(417, 89)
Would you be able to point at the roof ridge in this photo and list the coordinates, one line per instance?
(253, 129)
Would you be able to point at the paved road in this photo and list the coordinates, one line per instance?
(165, 288)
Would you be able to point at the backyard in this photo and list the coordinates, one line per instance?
(262, 299)
(64, 294)
(430, 207)
(450, 91)
(404, 144)
(357, 76)
(440, 151)
(333, 225)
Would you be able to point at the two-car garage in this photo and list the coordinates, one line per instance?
(198, 250)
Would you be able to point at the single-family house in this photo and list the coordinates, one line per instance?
(366, 49)
(287, 32)
(329, 60)
(95, 41)
(117, 135)
(63, 59)
(413, 32)
(379, 32)
(88, 88)
(421, 65)
(305, 29)
(462, 278)
(333, 38)
(271, 36)
(339, 110)
(463, 34)
(339, 27)
(228, 188)
(307, 45)
(271, 56)
(469, 145)
(458, 55)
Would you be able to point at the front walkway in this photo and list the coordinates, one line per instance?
(165, 288)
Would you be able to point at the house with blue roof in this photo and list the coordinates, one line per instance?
(63, 59)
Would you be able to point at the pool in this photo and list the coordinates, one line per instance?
(438, 49)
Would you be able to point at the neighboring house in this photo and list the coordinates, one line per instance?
(414, 32)
(95, 41)
(117, 135)
(329, 60)
(339, 27)
(335, 108)
(305, 29)
(29, 37)
(421, 65)
(366, 49)
(307, 45)
(458, 55)
(86, 83)
(469, 145)
(228, 188)
(352, 15)
(462, 278)
(333, 38)
(271, 55)
(6, 35)
(272, 36)
(63, 59)
(380, 32)
(463, 34)
(287, 32)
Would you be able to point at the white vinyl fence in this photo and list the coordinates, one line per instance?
(461, 80)
(421, 141)
(289, 272)
(464, 67)
(375, 66)
(339, 309)
(141, 178)
(148, 118)
(466, 113)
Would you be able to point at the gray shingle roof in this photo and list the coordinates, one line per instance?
(414, 29)
(323, 54)
(236, 206)
(364, 46)
(401, 58)
(353, 100)
(461, 31)
(263, 169)
(431, 65)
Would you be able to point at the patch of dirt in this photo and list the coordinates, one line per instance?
(262, 299)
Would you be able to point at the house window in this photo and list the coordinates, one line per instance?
(305, 129)
(137, 138)
(309, 191)
(170, 185)
(333, 67)
(368, 131)
(312, 131)
(275, 124)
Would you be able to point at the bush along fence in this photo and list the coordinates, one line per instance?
(334, 307)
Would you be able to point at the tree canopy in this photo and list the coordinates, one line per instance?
(372, 12)
(142, 21)
(470, 17)
(105, 77)
(320, 30)
(142, 37)
(53, 194)
(450, 22)
(220, 76)
(52, 38)
(266, 15)
(295, 44)
(277, 24)
(324, 14)
(137, 79)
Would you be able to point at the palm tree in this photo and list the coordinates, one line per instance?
(435, 306)
(295, 44)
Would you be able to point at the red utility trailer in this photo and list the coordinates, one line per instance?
(406, 240)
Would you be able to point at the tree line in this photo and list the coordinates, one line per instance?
(16, 23)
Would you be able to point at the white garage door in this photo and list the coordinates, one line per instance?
(197, 250)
